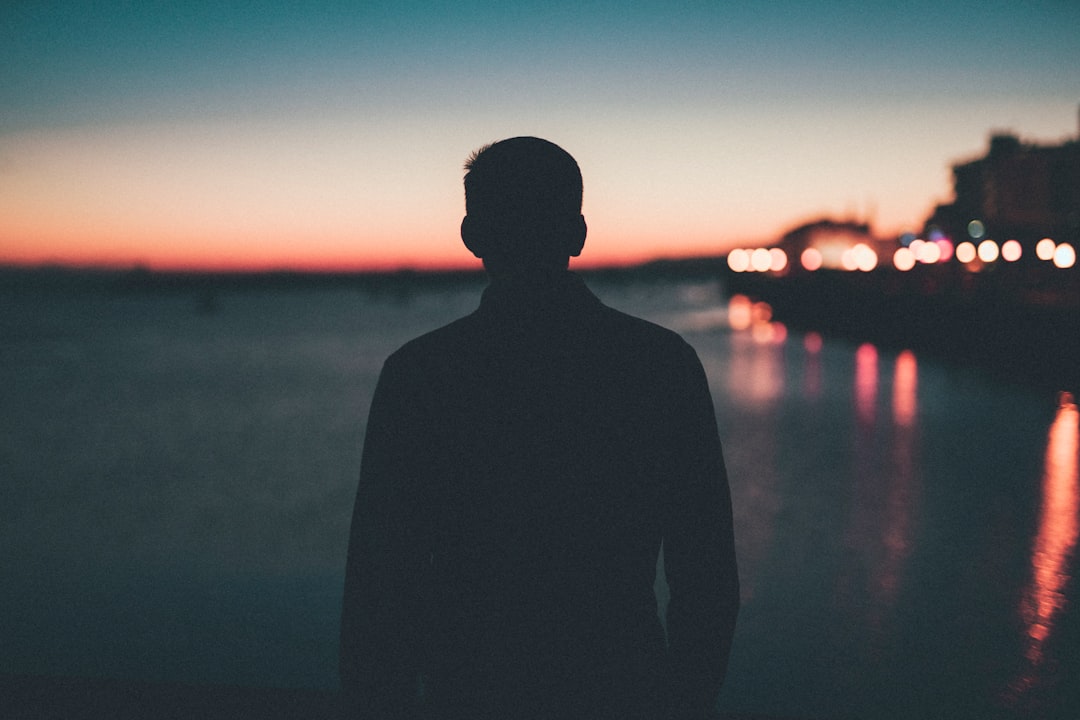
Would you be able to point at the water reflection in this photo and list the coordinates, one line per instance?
(866, 384)
(1044, 597)
(756, 372)
(885, 493)
(902, 494)
(812, 344)
(757, 380)
(905, 389)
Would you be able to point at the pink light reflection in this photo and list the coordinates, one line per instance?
(885, 499)
(1055, 542)
(866, 382)
(905, 388)
(812, 343)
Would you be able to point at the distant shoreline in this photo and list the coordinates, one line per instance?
(65, 277)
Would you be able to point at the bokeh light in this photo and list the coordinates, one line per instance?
(864, 257)
(988, 251)
(778, 260)
(1064, 256)
(1011, 250)
(760, 260)
(976, 229)
(903, 259)
(760, 312)
(946, 247)
(1044, 249)
(811, 259)
(965, 252)
(738, 260)
(739, 312)
(928, 253)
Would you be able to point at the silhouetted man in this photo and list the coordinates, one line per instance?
(521, 468)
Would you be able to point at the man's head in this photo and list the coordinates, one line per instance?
(523, 205)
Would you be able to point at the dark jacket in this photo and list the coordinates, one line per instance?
(521, 468)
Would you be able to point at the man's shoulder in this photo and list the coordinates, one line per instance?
(623, 327)
(640, 326)
(438, 342)
(599, 327)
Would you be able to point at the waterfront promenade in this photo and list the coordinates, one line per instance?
(1017, 323)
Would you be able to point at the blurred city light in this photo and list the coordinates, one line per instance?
(864, 257)
(811, 259)
(903, 259)
(1044, 249)
(976, 229)
(739, 312)
(760, 260)
(988, 251)
(928, 253)
(1064, 256)
(1011, 251)
(779, 332)
(777, 259)
(738, 260)
(768, 333)
(965, 252)
(945, 245)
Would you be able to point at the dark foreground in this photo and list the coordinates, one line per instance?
(52, 698)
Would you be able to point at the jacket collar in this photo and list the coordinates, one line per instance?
(545, 295)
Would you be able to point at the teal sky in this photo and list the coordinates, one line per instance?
(696, 124)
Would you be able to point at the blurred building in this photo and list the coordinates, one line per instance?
(1017, 190)
(831, 242)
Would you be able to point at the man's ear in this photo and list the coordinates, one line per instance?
(576, 241)
(472, 237)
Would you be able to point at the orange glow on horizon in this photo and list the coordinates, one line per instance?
(124, 249)
(181, 261)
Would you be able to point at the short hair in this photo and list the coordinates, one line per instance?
(523, 181)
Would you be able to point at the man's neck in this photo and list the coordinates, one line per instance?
(526, 276)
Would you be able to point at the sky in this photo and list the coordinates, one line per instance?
(332, 135)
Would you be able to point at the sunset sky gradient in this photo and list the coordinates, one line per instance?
(332, 135)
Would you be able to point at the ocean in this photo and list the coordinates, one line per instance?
(177, 471)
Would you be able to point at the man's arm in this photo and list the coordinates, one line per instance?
(379, 662)
(699, 551)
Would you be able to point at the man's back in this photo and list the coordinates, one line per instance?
(521, 469)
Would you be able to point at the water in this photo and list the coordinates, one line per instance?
(176, 489)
